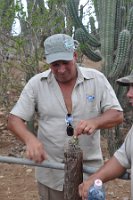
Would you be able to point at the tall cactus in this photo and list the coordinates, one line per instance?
(107, 29)
(122, 53)
(129, 25)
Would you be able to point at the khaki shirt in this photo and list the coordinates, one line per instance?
(91, 96)
(125, 155)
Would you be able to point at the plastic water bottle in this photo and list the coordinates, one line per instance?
(96, 191)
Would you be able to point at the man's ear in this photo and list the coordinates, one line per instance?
(75, 55)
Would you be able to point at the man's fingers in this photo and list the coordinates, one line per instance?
(80, 189)
(85, 127)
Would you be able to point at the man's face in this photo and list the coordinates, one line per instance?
(64, 71)
(130, 94)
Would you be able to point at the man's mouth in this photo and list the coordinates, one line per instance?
(131, 102)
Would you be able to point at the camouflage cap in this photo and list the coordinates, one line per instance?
(126, 81)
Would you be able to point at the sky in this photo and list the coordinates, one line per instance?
(16, 29)
(83, 2)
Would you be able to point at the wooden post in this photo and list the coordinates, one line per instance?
(73, 171)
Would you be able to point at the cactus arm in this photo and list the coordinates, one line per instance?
(122, 53)
(84, 46)
(107, 24)
(78, 23)
(92, 25)
(96, 7)
(92, 55)
(119, 21)
(130, 22)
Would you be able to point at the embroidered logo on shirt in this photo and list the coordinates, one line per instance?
(90, 98)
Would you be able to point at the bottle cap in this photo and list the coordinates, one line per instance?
(98, 184)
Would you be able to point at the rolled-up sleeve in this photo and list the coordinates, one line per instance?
(25, 106)
(109, 99)
(123, 154)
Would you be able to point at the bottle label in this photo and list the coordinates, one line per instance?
(96, 194)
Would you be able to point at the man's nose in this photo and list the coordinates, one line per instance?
(130, 92)
(61, 68)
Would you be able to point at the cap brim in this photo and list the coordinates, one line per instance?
(125, 81)
(59, 56)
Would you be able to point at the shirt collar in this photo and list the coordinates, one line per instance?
(83, 73)
(46, 75)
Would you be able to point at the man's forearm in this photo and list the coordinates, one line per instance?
(19, 128)
(109, 119)
(110, 170)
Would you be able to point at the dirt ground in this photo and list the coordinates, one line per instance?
(17, 182)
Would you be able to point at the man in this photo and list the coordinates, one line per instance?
(123, 157)
(65, 96)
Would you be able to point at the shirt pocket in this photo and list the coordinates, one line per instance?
(91, 109)
(91, 104)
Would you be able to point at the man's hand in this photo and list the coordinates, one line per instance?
(35, 150)
(84, 188)
(86, 127)
(108, 119)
